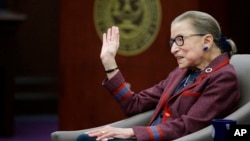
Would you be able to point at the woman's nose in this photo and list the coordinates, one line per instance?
(174, 48)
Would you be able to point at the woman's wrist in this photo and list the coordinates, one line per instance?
(131, 133)
(109, 64)
(111, 70)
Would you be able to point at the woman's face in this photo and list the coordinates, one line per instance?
(187, 45)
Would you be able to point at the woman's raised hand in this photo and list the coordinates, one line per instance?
(110, 45)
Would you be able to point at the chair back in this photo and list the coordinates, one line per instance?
(241, 63)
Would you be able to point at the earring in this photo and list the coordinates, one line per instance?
(205, 48)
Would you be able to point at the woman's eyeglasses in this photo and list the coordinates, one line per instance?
(179, 40)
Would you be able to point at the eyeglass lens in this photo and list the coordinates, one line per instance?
(178, 40)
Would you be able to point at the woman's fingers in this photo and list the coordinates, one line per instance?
(114, 33)
(109, 34)
(110, 44)
(104, 38)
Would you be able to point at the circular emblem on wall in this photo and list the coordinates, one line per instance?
(138, 22)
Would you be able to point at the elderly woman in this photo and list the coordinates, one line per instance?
(204, 86)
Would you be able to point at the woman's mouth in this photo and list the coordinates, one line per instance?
(179, 58)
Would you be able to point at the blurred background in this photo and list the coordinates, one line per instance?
(50, 72)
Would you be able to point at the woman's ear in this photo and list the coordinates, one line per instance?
(208, 39)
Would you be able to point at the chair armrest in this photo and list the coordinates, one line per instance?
(141, 119)
(241, 115)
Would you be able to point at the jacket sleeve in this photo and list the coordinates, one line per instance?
(130, 102)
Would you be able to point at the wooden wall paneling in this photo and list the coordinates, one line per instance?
(83, 102)
(9, 25)
(36, 56)
(239, 21)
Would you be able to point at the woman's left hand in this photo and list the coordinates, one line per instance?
(111, 132)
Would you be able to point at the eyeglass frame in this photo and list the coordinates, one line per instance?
(172, 41)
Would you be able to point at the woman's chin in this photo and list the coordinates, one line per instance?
(182, 66)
